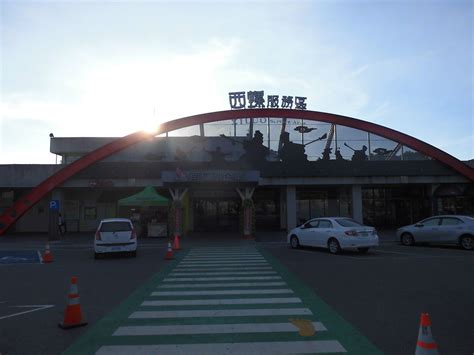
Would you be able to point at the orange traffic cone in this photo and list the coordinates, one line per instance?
(176, 245)
(425, 344)
(47, 256)
(169, 253)
(72, 314)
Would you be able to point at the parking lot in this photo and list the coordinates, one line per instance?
(383, 292)
(380, 294)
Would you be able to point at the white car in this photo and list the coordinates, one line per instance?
(334, 233)
(447, 229)
(115, 235)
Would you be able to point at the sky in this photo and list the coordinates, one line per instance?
(103, 68)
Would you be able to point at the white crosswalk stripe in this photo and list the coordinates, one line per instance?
(212, 329)
(214, 313)
(240, 293)
(223, 301)
(227, 267)
(222, 292)
(224, 262)
(215, 258)
(225, 285)
(262, 348)
(223, 278)
(222, 273)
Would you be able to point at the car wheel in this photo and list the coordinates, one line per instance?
(407, 239)
(294, 242)
(133, 254)
(333, 246)
(363, 250)
(97, 256)
(467, 242)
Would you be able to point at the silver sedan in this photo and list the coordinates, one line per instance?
(448, 229)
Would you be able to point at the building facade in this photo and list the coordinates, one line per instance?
(287, 169)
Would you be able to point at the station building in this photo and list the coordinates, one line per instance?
(292, 165)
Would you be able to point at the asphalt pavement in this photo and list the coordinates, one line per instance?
(381, 295)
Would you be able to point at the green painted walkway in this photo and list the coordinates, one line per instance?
(237, 300)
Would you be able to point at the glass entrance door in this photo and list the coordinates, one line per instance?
(211, 214)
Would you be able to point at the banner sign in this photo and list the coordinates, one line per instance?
(210, 176)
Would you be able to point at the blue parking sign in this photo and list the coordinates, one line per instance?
(54, 205)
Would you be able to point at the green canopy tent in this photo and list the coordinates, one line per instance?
(150, 202)
(146, 198)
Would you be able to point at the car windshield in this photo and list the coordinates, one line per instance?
(346, 222)
(115, 227)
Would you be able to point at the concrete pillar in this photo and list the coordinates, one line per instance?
(333, 208)
(191, 215)
(290, 207)
(357, 203)
(435, 203)
(282, 208)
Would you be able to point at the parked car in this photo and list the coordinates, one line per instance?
(115, 235)
(447, 229)
(334, 233)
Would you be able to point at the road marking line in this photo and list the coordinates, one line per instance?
(223, 301)
(192, 258)
(218, 255)
(230, 278)
(225, 249)
(258, 272)
(222, 292)
(219, 265)
(221, 255)
(224, 256)
(223, 262)
(232, 268)
(217, 260)
(227, 267)
(263, 348)
(211, 329)
(214, 257)
(37, 308)
(222, 313)
(219, 285)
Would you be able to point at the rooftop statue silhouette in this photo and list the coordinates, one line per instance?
(217, 156)
(291, 152)
(359, 154)
(180, 155)
(382, 151)
(255, 151)
(326, 154)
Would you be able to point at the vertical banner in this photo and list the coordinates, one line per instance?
(248, 221)
(177, 220)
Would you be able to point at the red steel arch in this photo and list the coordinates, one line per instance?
(12, 214)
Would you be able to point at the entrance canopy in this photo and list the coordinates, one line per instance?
(145, 198)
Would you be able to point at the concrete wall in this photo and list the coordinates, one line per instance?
(36, 219)
(18, 175)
